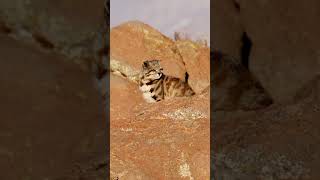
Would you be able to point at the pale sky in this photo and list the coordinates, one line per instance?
(167, 16)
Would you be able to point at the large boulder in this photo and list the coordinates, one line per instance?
(278, 142)
(73, 28)
(165, 140)
(120, 91)
(52, 118)
(227, 28)
(197, 61)
(235, 88)
(285, 38)
(133, 42)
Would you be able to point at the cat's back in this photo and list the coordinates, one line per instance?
(175, 87)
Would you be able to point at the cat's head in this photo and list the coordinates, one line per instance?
(151, 69)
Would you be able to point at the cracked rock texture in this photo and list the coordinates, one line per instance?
(164, 140)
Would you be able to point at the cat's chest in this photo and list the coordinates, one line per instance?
(146, 92)
(145, 87)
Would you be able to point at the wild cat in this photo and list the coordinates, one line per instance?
(157, 86)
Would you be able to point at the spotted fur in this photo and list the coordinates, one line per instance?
(157, 86)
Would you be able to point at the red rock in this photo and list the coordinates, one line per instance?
(197, 62)
(133, 42)
(165, 140)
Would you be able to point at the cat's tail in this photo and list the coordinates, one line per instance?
(186, 77)
(190, 91)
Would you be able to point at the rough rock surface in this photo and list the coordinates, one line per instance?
(281, 140)
(227, 27)
(272, 141)
(285, 41)
(196, 59)
(73, 28)
(52, 119)
(278, 142)
(286, 47)
(133, 42)
(165, 140)
(234, 86)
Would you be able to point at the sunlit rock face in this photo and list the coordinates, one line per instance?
(165, 140)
